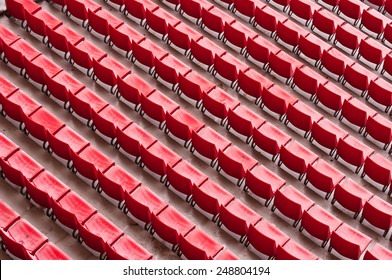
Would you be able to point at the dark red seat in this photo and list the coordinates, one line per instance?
(145, 53)
(325, 23)
(387, 8)
(379, 131)
(330, 98)
(209, 198)
(262, 184)
(217, 103)
(168, 225)
(306, 82)
(326, 136)
(245, 9)
(282, 66)
(311, 48)
(131, 139)
(192, 9)
(237, 36)
(334, 63)
(378, 252)
(181, 125)
(158, 22)
(373, 23)
(18, 105)
(380, 94)
(251, 85)
(259, 50)
(59, 38)
(288, 33)
(83, 54)
(351, 11)
(301, 118)
(236, 218)
(17, 53)
(214, 20)
(377, 171)
(113, 183)
(141, 204)
(387, 36)
(99, 22)
(387, 68)
(49, 251)
(268, 140)
(168, 69)
(207, 143)
(131, 88)
(191, 87)
(291, 204)
(183, 177)
(291, 250)
(126, 248)
(372, 53)
(233, 163)
(137, 9)
(180, 37)
(355, 114)
(98, 232)
(61, 86)
(78, 10)
(318, 224)
(276, 100)
(377, 215)
(121, 39)
(227, 68)
(347, 38)
(204, 52)
(197, 245)
(41, 69)
(303, 10)
(39, 22)
(242, 122)
(17, 8)
(157, 158)
(264, 238)
(348, 243)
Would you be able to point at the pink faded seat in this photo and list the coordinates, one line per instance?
(145, 53)
(114, 183)
(348, 243)
(99, 22)
(181, 36)
(268, 140)
(168, 69)
(323, 178)
(83, 54)
(233, 164)
(262, 184)
(39, 22)
(203, 52)
(288, 33)
(121, 39)
(350, 197)
(291, 250)
(207, 143)
(326, 136)
(318, 225)
(125, 248)
(137, 9)
(306, 82)
(282, 66)
(131, 88)
(378, 252)
(49, 251)
(191, 87)
(214, 20)
(168, 225)
(264, 238)
(227, 68)
(276, 100)
(141, 204)
(267, 19)
(259, 50)
(377, 170)
(251, 85)
(236, 218)
(301, 118)
(377, 215)
(355, 114)
(290, 204)
(325, 23)
(78, 10)
(192, 9)
(158, 22)
(379, 131)
(330, 98)
(183, 178)
(209, 198)
(197, 245)
(227, 255)
(59, 38)
(311, 48)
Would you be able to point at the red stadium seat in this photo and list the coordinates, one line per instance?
(192, 9)
(39, 22)
(352, 153)
(282, 66)
(378, 252)
(18, 168)
(113, 183)
(136, 10)
(325, 23)
(377, 215)
(245, 9)
(181, 125)
(131, 139)
(7, 147)
(227, 68)
(17, 8)
(317, 224)
(251, 84)
(43, 187)
(168, 225)
(214, 20)
(108, 121)
(99, 22)
(61, 86)
(372, 53)
(326, 136)
(107, 71)
(301, 118)
(303, 10)
(387, 9)
(311, 48)
(78, 10)
(322, 178)
(242, 122)
(259, 50)
(209, 198)
(158, 22)
(387, 36)
(334, 63)
(237, 36)
(262, 184)
(348, 243)
(116, 4)
(197, 245)
(387, 69)
(180, 37)
(156, 159)
(7, 38)
(70, 210)
(88, 162)
(141, 204)
(227, 4)
(330, 98)
(145, 53)
(17, 53)
(375, 4)
(173, 4)
(236, 218)
(217, 103)
(380, 94)
(264, 238)
(59, 39)
(355, 114)
(121, 39)
(49, 251)
(63, 142)
(191, 87)
(83, 54)
(276, 100)
(268, 141)
(207, 143)
(347, 38)
(97, 232)
(126, 248)
(226, 255)
(379, 131)
(291, 250)
(131, 88)
(288, 34)
(290, 204)
(351, 11)
(39, 70)
(350, 197)
(8, 218)
(203, 53)
(282, 5)
(373, 23)
(233, 163)
(306, 82)
(82, 105)
(378, 171)
(182, 178)
(168, 69)
(155, 106)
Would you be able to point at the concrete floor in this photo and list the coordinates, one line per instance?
(75, 250)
